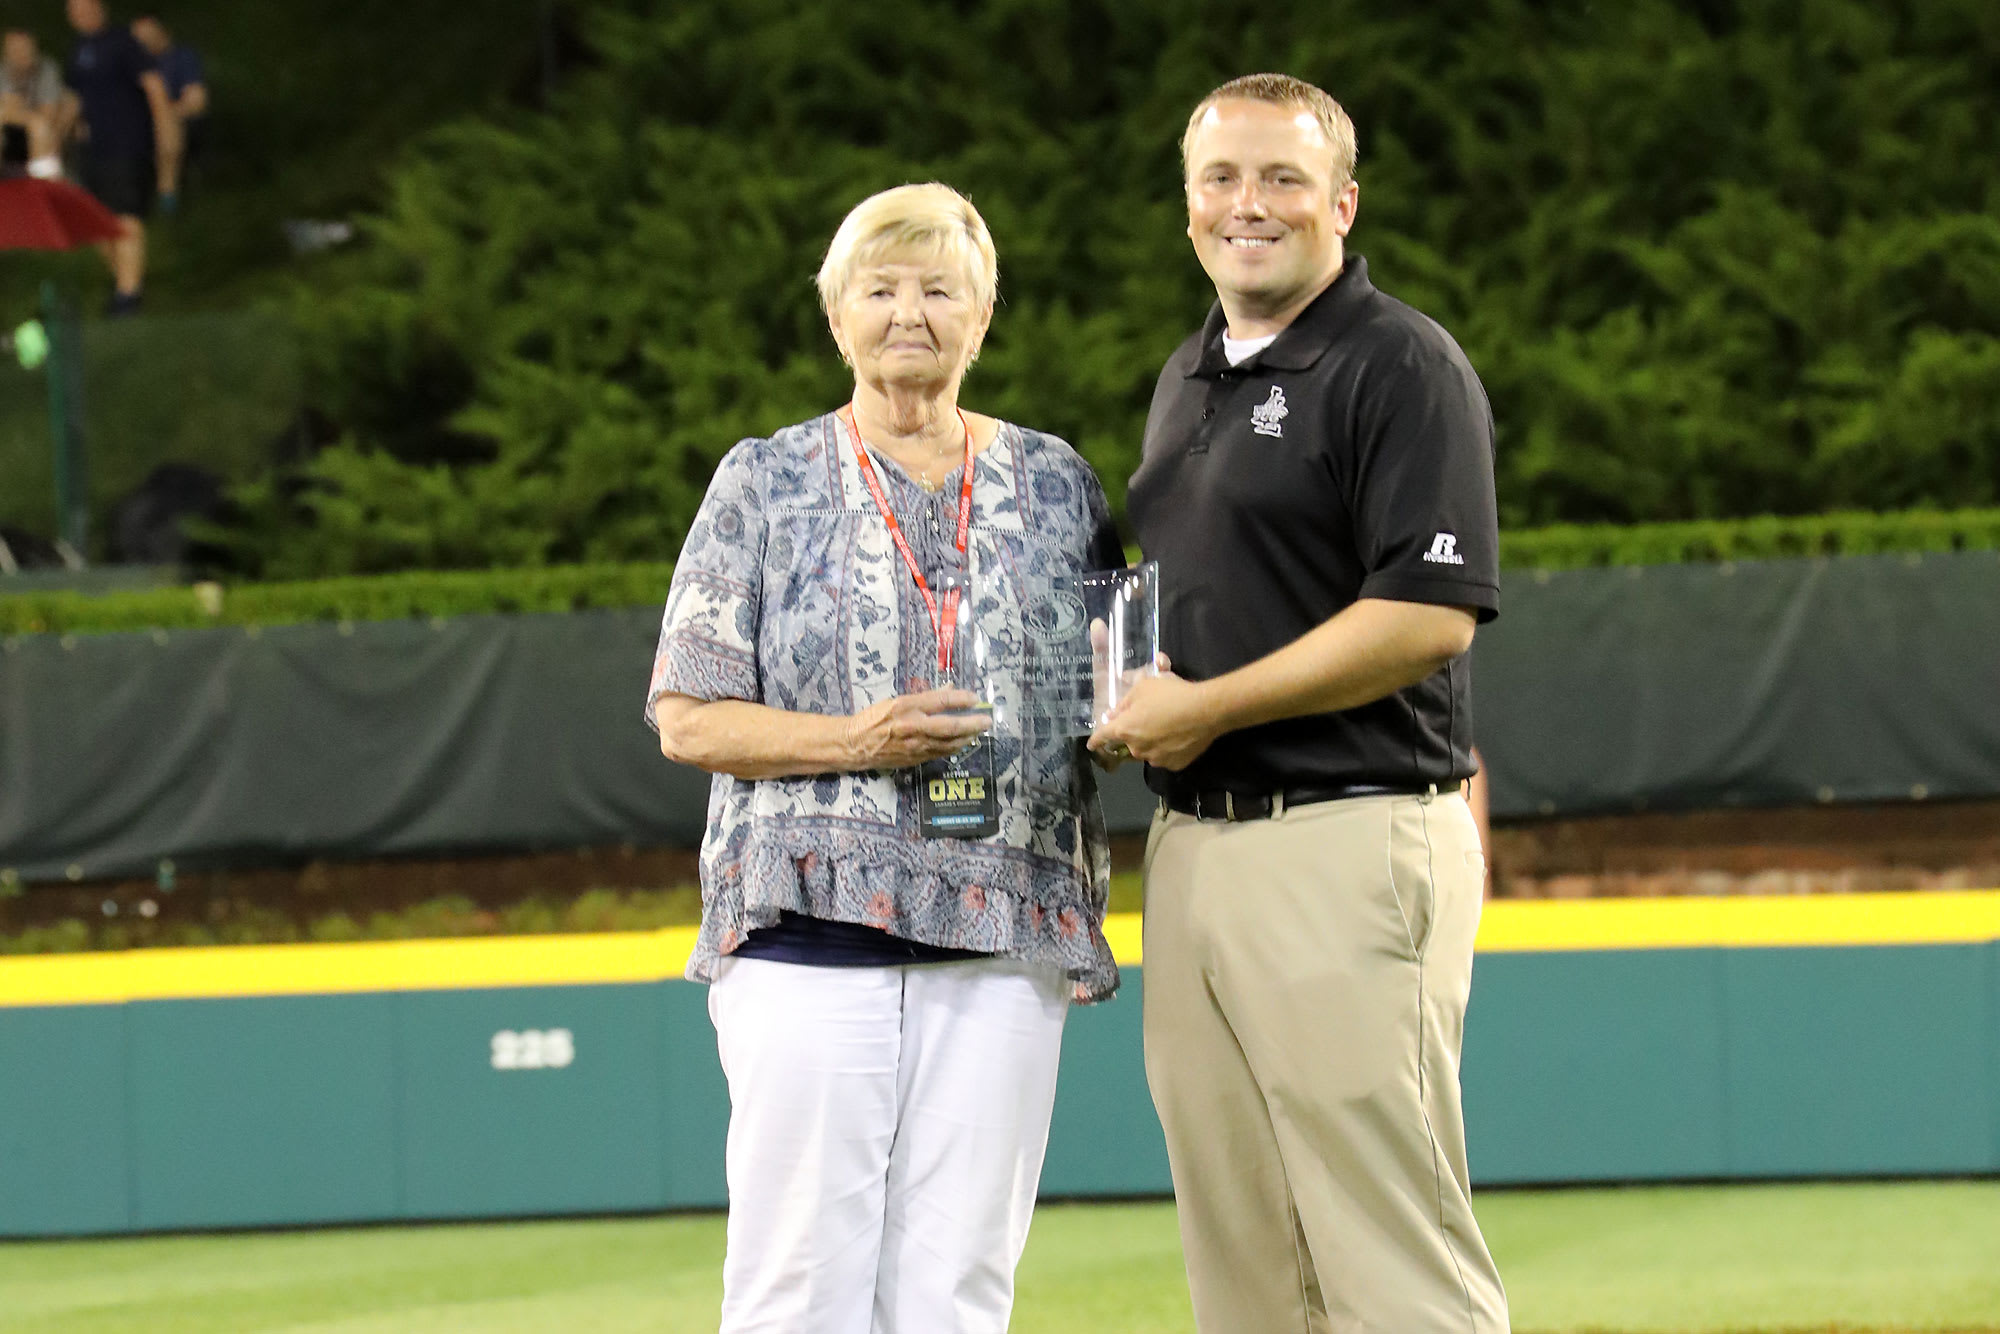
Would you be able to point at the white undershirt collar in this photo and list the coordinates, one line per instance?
(1240, 350)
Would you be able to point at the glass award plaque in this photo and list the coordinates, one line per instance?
(1083, 641)
(972, 661)
(1086, 639)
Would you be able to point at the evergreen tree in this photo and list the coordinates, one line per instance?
(1711, 259)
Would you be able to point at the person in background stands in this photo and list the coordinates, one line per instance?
(187, 93)
(119, 101)
(31, 90)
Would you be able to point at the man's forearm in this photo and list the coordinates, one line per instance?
(1370, 650)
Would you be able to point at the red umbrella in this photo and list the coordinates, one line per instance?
(51, 215)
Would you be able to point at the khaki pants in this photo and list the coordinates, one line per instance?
(1305, 981)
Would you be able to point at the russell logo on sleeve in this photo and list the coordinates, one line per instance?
(1444, 550)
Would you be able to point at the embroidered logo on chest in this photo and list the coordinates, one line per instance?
(1268, 417)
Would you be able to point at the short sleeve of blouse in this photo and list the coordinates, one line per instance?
(708, 635)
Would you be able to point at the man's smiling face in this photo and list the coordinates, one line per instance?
(1265, 213)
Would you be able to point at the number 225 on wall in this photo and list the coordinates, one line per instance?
(533, 1049)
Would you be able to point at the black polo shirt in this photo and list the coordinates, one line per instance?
(1352, 458)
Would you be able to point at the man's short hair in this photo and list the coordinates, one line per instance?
(927, 220)
(1285, 91)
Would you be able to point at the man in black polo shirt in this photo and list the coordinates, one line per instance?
(1317, 485)
(129, 130)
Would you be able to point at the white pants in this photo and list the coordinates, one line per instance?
(886, 1132)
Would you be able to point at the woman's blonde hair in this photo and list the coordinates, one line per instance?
(928, 220)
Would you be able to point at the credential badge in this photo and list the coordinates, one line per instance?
(1267, 418)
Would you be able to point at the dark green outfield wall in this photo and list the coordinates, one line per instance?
(1660, 1064)
(1774, 683)
(1614, 1065)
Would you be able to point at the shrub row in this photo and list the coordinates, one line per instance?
(382, 597)
(582, 587)
(1853, 533)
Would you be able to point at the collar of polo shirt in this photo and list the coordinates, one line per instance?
(1303, 342)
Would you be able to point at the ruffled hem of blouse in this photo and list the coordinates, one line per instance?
(1021, 907)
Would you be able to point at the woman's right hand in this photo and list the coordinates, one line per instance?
(913, 729)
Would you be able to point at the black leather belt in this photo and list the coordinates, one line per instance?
(1224, 805)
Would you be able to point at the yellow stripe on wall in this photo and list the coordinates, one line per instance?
(387, 965)
(1121, 932)
(1945, 917)
(1509, 926)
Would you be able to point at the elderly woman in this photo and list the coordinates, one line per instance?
(889, 977)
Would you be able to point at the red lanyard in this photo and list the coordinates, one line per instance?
(948, 615)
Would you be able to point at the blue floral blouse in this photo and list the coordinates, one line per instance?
(790, 593)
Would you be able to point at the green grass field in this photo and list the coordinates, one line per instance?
(1718, 1260)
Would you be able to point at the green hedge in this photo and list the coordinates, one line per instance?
(1853, 533)
(580, 587)
(364, 598)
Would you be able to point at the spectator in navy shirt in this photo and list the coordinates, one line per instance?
(187, 93)
(128, 130)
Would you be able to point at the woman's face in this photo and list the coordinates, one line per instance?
(910, 323)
